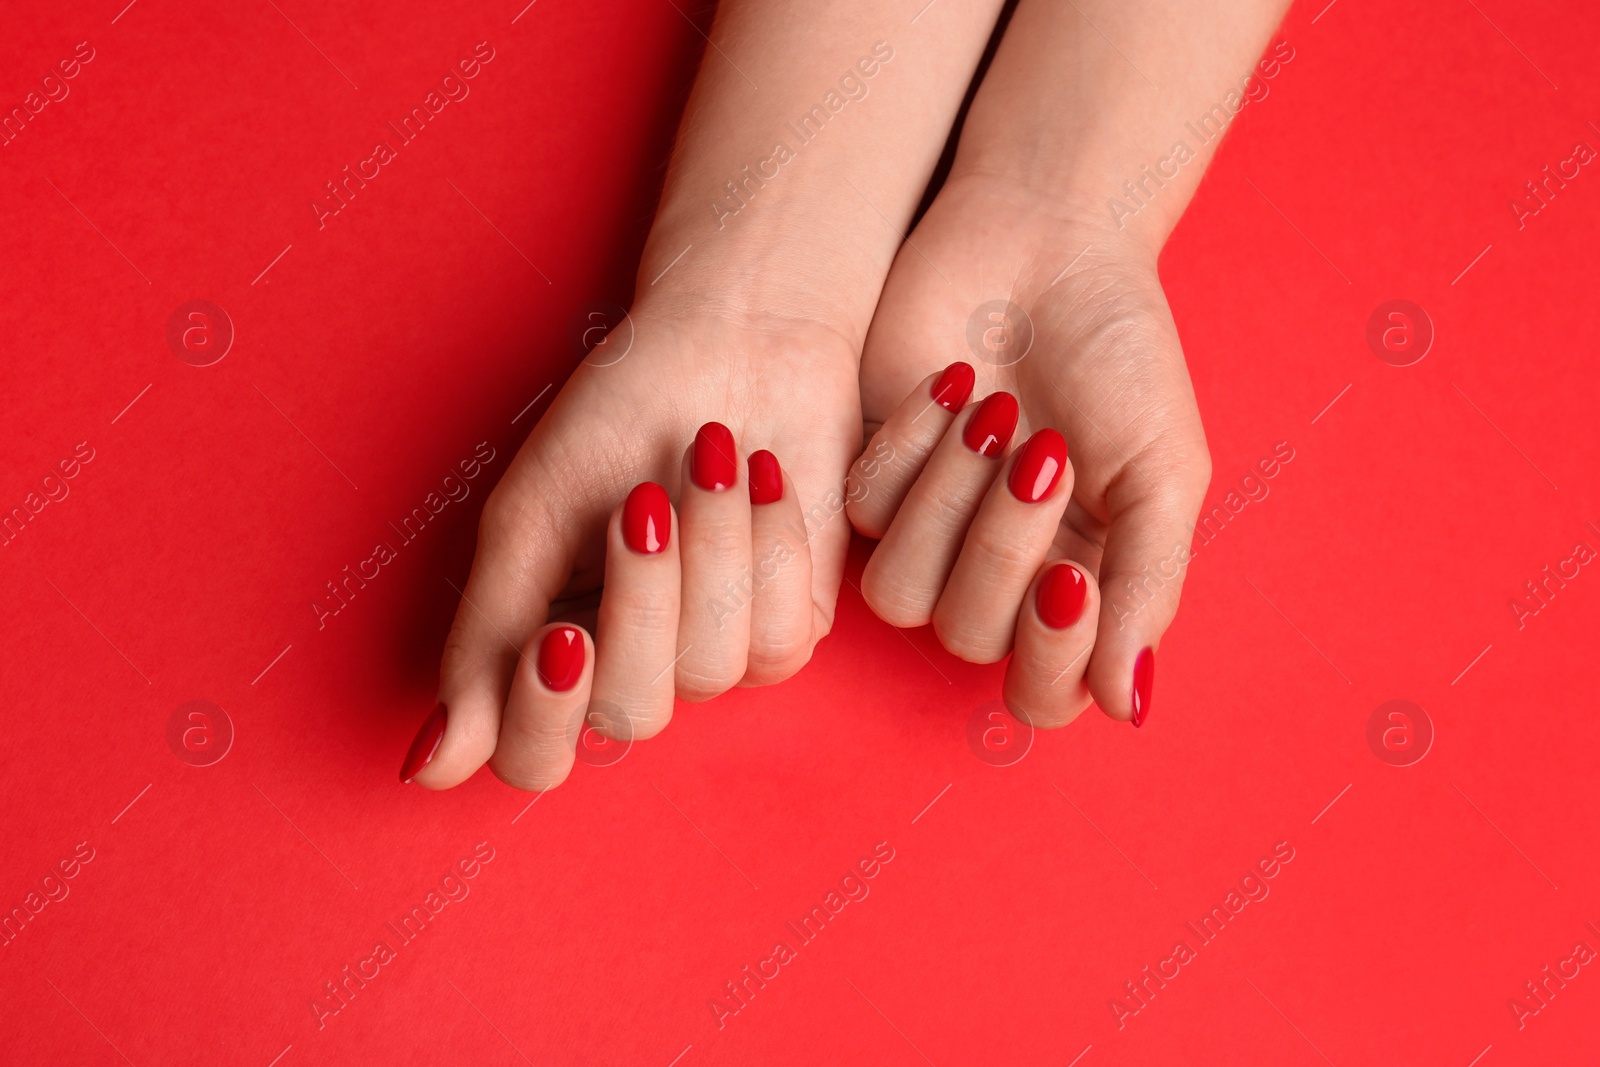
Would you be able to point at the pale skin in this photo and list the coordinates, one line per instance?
(805, 326)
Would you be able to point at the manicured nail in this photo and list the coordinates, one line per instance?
(1062, 592)
(647, 519)
(561, 658)
(991, 426)
(425, 745)
(1038, 466)
(766, 478)
(1144, 680)
(954, 386)
(712, 464)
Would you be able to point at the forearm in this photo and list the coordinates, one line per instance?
(1113, 110)
(806, 145)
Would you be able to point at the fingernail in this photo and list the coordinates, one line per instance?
(711, 464)
(1144, 680)
(1038, 466)
(766, 478)
(647, 519)
(425, 745)
(561, 658)
(954, 386)
(991, 426)
(1062, 592)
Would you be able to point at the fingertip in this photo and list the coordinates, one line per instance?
(988, 431)
(646, 520)
(1122, 674)
(953, 388)
(424, 745)
(714, 458)
(563, 654)
(544, 712)
(1060, 596)
(766, 478)
(1144, 681)
(1045, 679)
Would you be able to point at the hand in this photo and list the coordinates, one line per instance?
(735, 587)
(1092, 354)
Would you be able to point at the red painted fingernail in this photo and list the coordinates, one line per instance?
(1062, 592)
(712, 464)
(647, 519)
(1144, 680)
(991, 426)
(954, 386)
(425, 745)
(766, 478)
(1038, 466)
(561, 658)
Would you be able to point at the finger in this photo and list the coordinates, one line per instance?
(1153, 508)
(977, 612)
(524, 555)
(637, 632)
(908, 570)
(544, 711)
(1044, 684)
(714, 522)
(781, 612)
(879, 480)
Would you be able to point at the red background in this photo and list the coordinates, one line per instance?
(377, 352)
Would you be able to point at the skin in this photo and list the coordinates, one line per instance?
(759, 326)
(771, 323)
(1061, 121)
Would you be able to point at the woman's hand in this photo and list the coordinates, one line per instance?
(1037, 261)
(734, 586)
(1075, 353)
(809, 128)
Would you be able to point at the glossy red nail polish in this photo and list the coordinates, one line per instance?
(561, 658)
(766, 478)
(1144, 680)
(1038, 466)
(991, 426)
(425, 744)
(954, 386)
(1062, 592)
(712, 464)
(647, 519)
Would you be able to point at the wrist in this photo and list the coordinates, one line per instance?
(1049, 225)
(722, 307)
(777, 265)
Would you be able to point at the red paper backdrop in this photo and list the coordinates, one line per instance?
(373, 354)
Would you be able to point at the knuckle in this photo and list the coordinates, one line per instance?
(703, 681)
(896, 604)
(641, 609)
(866, 517)
(771, 662)
(530, 775)
(945, 513)
(969, 643)
(1000, 554)
(635, 717)
(1050, 714)
(911, 439)
(720, 543)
